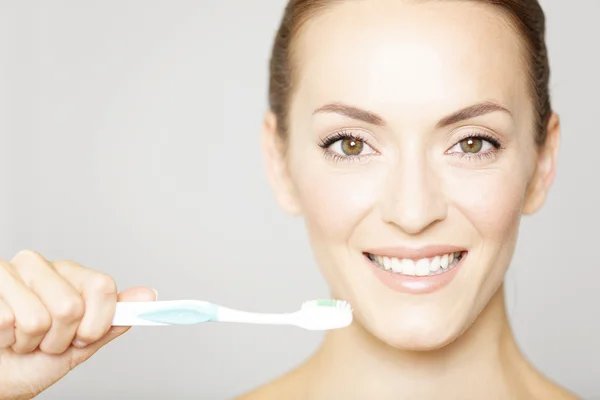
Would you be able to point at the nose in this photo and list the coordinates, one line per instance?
(413, 197)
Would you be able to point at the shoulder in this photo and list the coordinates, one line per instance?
(289, 387)
(552, 391)
(262, 393)
(272, 391)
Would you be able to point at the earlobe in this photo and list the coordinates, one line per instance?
(277, 169)
(545, 168)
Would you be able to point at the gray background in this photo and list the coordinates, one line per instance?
(130, 143)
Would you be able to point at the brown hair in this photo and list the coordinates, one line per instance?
(526, 15)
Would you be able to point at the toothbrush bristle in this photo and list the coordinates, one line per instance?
(328, 303)
(326, 314)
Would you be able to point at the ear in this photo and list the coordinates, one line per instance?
(545, 168)
(277, 168)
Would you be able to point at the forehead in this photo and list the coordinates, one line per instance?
(410, 59)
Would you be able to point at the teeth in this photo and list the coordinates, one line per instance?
(396, 266)
(423, 267)
(445, 261)
(387, 263)
(409, 267)
(436, 264)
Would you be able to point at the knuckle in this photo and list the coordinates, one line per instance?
(7, 271)
(70, 309)
(29, 256)
(52, 348)
(67, 263)
(90, 335)
(35, 324)
(21, 350)
(102, 283)
(7, 340)
(7, 321)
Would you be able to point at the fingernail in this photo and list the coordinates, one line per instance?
(79, 343)
(155, 294)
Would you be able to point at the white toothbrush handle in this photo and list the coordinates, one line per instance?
(127, 313)
(229, 315)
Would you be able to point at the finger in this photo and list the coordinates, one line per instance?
(7, 325)
(139, 293)
(32, 320)
(79, 355)
(63, 302)
(99, 292)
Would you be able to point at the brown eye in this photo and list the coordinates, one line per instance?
(352, 147)
(347, 146)
(471, 145)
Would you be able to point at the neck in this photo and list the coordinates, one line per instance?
(483, 362)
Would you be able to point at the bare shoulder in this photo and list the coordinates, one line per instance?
(272, 391)
(560, 393)
(287, 387)
(267, 392)
(553, 391)
(563, 394)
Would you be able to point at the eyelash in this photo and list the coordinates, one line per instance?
(325, 143)
(480, 156)
(342, 135)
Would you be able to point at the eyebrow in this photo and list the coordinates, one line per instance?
(351, 112)
(473, 111)
(372, 118)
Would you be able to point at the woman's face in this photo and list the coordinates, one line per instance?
(411, 156)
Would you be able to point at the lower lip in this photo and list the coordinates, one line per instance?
(415, 284)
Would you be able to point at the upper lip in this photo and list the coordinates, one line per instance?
(415, 253)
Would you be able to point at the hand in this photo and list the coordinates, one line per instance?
(53, 317)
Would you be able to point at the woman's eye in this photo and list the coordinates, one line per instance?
(351, 147)
(472, 145)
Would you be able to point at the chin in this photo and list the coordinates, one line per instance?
(417, 338)
(414, 330)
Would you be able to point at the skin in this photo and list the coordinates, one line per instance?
(53, 317)
(411, 64)
(412, 184)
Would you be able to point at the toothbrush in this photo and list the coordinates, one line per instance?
(313, 315)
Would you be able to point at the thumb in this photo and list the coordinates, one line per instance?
(79, 355)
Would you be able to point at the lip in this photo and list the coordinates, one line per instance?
(415, 284)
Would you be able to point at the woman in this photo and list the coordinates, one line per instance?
(411, 136)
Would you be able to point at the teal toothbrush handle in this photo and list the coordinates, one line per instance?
(155, 313)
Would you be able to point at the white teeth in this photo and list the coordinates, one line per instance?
(387, 263)
(436, 264)
(409, 267)
(396, 265)
(445, 261)
(422, 267)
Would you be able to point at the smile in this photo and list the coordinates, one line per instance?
(435, 265)
(416, 270)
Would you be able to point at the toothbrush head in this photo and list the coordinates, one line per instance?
(326, 314)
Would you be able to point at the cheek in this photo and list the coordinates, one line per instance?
(491, 201)
(334, 200)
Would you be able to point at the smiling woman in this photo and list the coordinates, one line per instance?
(412, 136)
